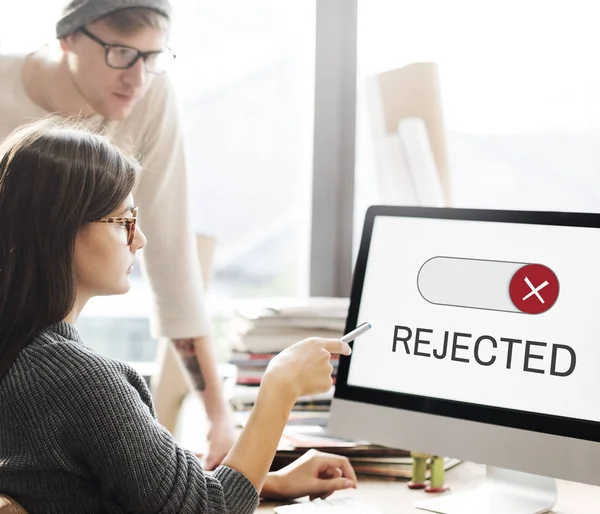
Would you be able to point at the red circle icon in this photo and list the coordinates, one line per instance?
(534, 288)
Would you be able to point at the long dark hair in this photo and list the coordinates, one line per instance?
(54, 178)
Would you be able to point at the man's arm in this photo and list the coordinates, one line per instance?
(186, 348)
(170, 258)
(199, 361)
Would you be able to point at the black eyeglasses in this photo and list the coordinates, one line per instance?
(122, 57)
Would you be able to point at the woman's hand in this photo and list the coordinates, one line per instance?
(315, 474)
(304, 368)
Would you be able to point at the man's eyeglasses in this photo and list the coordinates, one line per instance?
(124, 57)
(129, 223)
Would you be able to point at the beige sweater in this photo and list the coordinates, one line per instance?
(153, 134)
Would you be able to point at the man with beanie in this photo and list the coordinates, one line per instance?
(108, 67)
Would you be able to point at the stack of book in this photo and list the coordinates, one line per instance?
(366, 459)
(309, 410)
(260, 330)
(251, 368)
(269, 326)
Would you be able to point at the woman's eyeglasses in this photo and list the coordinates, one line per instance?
(129, 222)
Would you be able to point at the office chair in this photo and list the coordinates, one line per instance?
(10, 506)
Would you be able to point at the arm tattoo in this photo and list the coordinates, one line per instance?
(187, 352)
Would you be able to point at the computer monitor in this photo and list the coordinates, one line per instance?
(485, 346)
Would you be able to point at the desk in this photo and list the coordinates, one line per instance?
(394, 497)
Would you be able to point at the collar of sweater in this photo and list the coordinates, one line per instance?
(66, 330)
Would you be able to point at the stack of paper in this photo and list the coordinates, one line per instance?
(269, 326)
(260, 330)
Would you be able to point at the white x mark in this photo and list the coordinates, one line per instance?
(534, 290)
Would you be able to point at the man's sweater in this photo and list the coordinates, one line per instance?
(78, 434)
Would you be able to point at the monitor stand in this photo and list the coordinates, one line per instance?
(503, 491)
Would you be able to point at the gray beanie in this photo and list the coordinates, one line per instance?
(78, 13)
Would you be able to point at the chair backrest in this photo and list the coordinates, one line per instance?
(10, 506)
(412, 91)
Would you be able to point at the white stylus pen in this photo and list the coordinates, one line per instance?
(351, 336)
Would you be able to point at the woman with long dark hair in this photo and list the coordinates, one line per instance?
(77, 429)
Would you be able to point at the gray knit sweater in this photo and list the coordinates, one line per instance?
(78, 434)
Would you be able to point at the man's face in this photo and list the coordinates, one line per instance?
(111, 92)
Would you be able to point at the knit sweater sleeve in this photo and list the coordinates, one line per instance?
(110, 427)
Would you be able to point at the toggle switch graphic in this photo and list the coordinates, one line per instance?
(485, 284)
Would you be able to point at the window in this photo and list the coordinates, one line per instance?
(245, 78)
(520, 93)
(19, 31)
(245, 73)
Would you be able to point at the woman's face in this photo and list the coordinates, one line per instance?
(103, 260)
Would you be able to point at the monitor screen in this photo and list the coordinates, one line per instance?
(486, 316)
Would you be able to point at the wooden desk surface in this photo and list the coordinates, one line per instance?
(393, 497)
